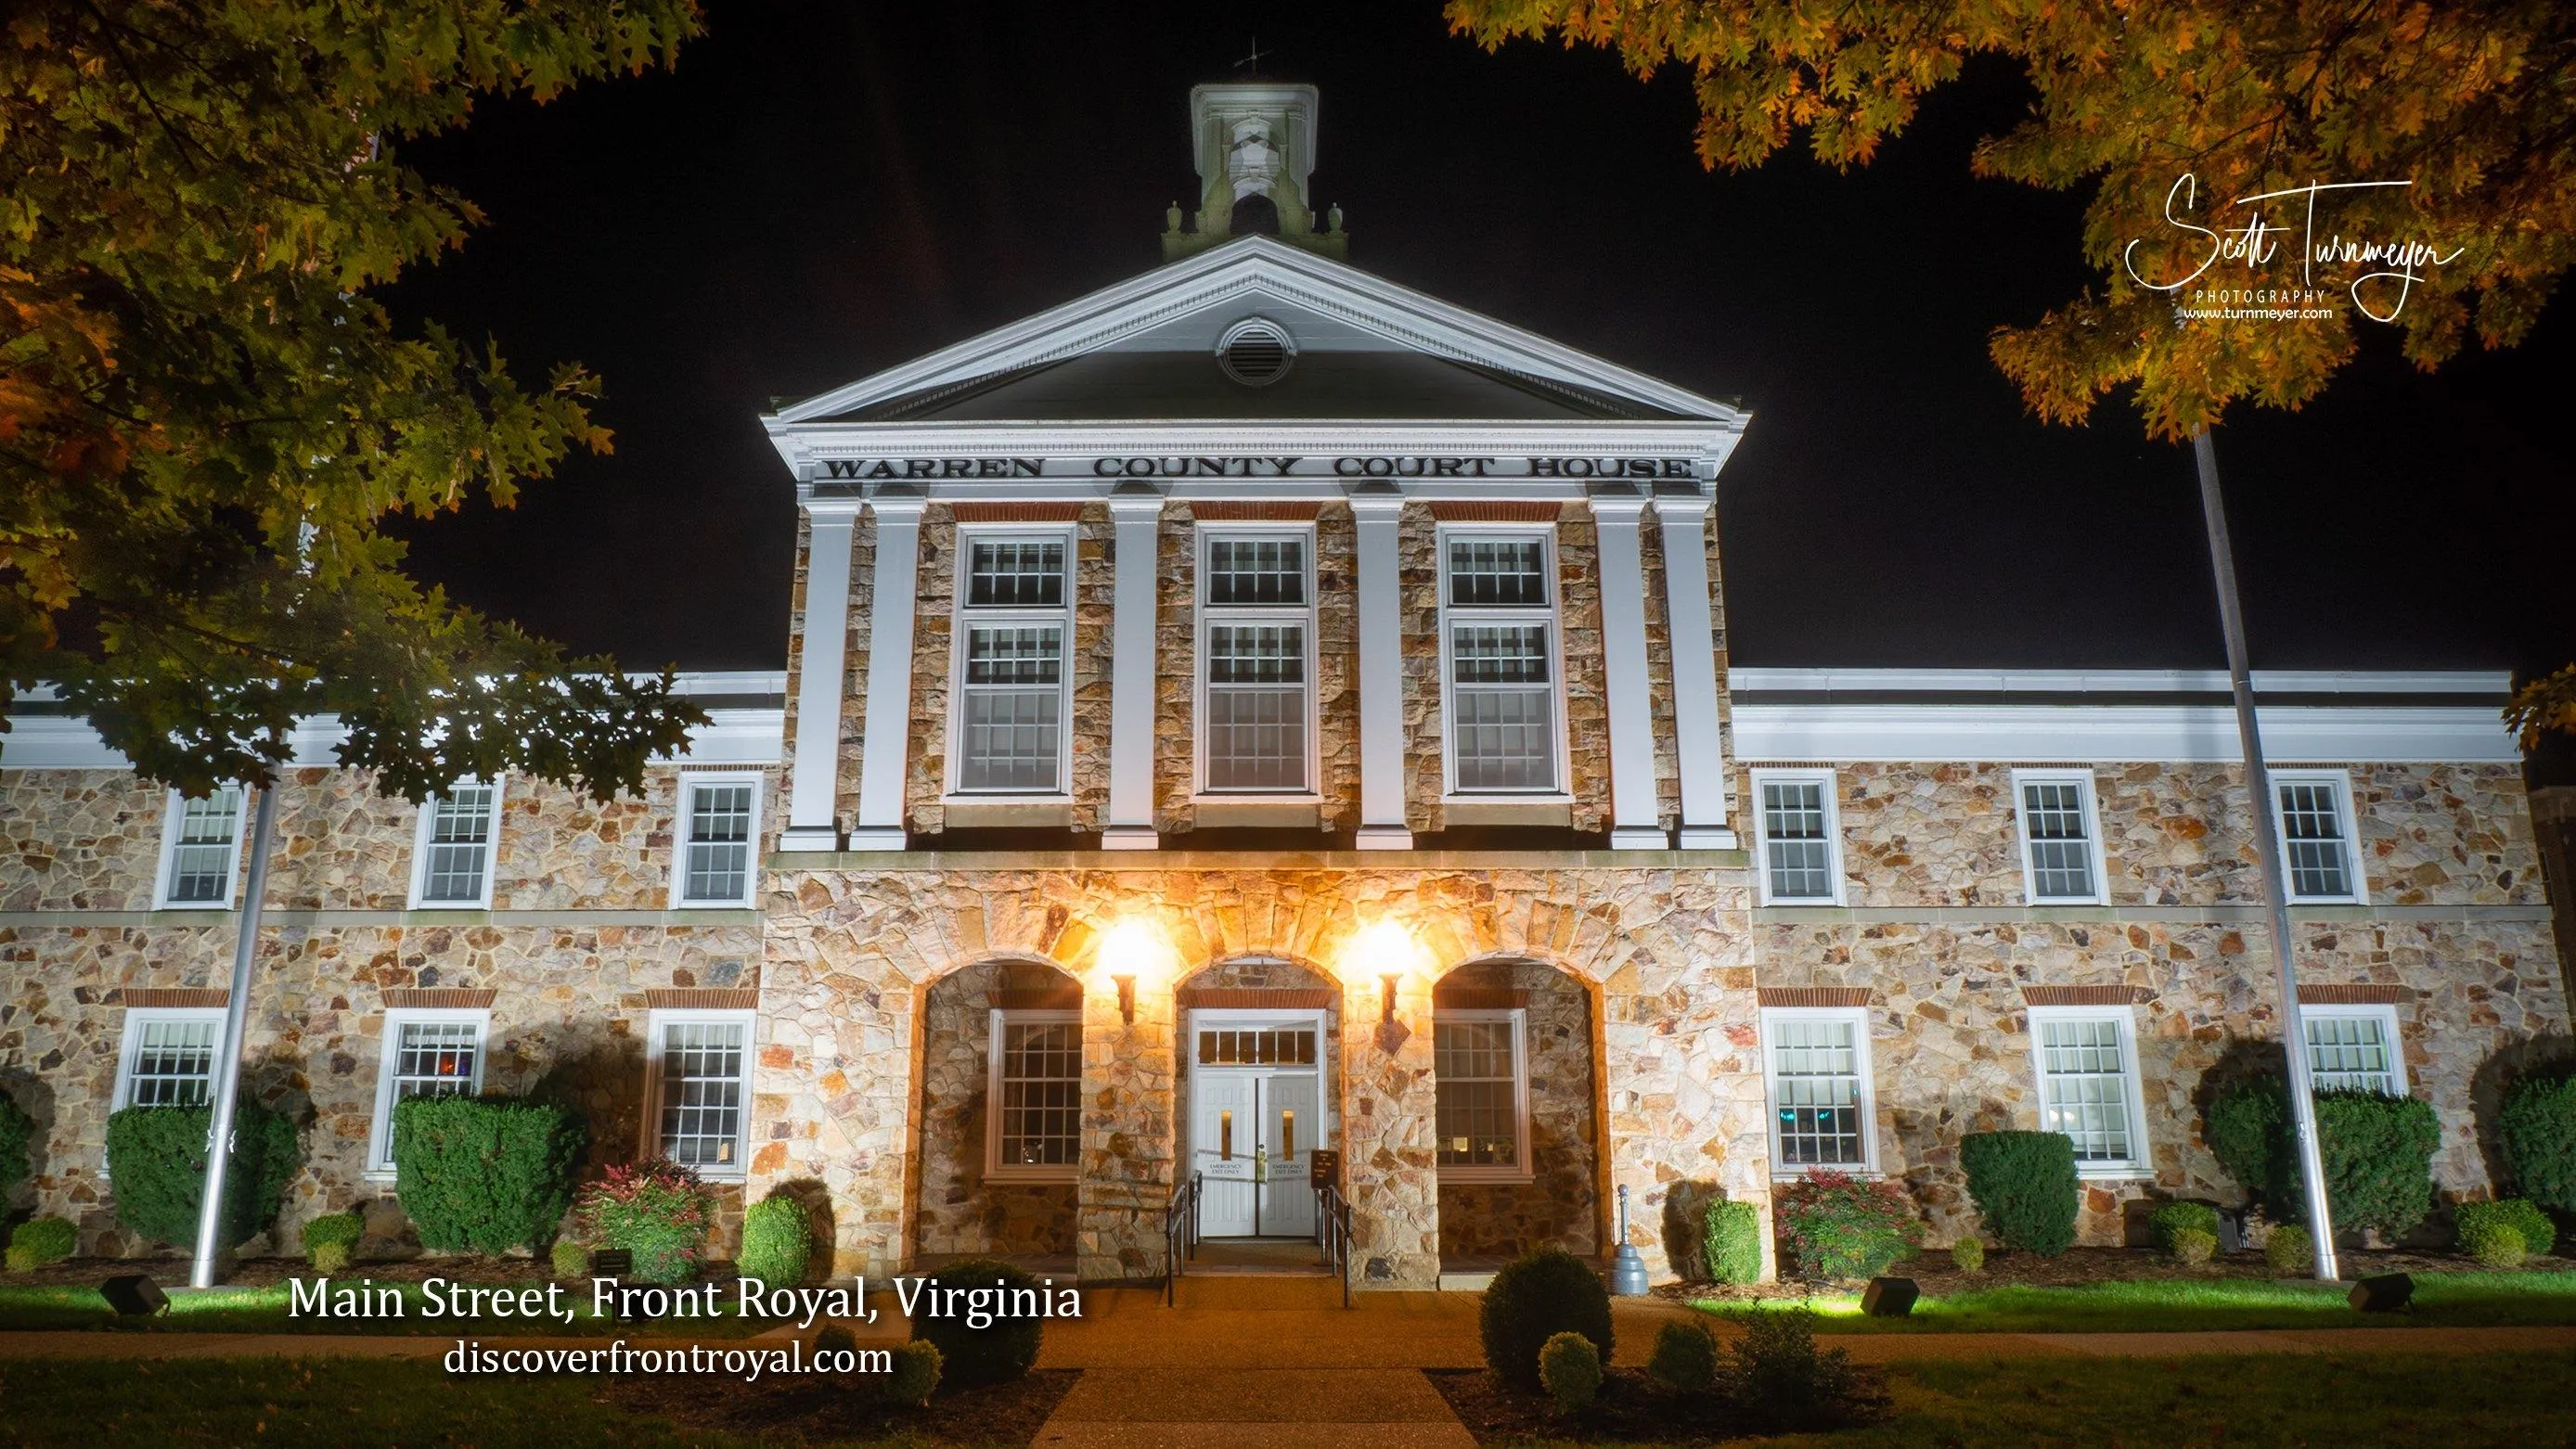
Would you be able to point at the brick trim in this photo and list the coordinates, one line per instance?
(452, 998)
(1016, 512)
(1215, 510)
(1478, 998)
(1495, 511)
(177, 996)
(2362, 995)
(1249, 998)
(1067, 997)
(702, 998)
(1812, 996)
(2085, 995)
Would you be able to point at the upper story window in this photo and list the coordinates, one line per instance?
(2088, 1086)
(1500, 656)
(200, 851)
(719, 823)
(2316, 835)
(452, 858)
(698, 1082)
(2061, 837)
(168, 1057)
(1013, 622)
(1816, 1061)
(1481, 1095)
(1033, 1112)
(1799, 836)
(2354, 1048)
(1256, 646)
(428, 1053)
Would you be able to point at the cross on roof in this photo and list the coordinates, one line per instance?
(1252, 63)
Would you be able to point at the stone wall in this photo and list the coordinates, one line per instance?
(959, 1211)
(1560, 1205)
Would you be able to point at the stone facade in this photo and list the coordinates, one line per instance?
(960, 1212)
(1561, 1203)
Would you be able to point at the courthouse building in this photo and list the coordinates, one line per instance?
(1259, 709)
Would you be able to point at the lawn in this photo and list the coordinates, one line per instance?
(2449, 1300)
(264, 1310)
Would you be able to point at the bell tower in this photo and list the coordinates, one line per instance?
(1253, 144)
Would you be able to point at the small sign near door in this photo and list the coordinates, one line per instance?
(1324, 1167)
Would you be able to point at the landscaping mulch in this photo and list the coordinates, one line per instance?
(817, 1411)
(2077, 1267)
(269, 1272)
(1631, 1408)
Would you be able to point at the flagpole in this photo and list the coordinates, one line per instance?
(2267, 844)
(227, 1087)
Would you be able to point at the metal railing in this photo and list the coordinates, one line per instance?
(1333, 1232)
(1180, 1236)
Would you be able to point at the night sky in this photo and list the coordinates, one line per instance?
(823, 190)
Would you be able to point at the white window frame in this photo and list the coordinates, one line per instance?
(2389, 1026)
(995, 1169)
(380, 1134)
(1520, 1168)
(2089, 800)
(1554, 621)
(131, 1043)
(964, 616)
(1801, 775)
(685, 824)
(165, 877)
(2141, 1160)
(2357, 878)
(1857, 1017)
(656, 1028)
(420, 843)
(1306, 617)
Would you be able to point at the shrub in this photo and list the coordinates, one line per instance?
(2377, 1151)
(915, 1376)
(2539, 1234)
(1839, 1226)
(2496, 1244)
(1570, 1368)
(1777, 1370)
(2537, 1125)
(1542, 1293)
(2246, 1124)
(832, 1338)
(571, 1260)
(40, 1241)
(1004, 1349)
(156, 1159)
(2175, 1218)
(2192, 1247)
(657, 1211)
(1731, 1239)
(777, 1237)
(330, 1239)
(17, 1130)
(2024, 1187)
(1968, 1255)
(485, 1174)
(2289, 1249)
(1685, 1358)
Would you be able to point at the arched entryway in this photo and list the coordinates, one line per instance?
(1515, 1047)
(1000, 1114)
(1258, 1094)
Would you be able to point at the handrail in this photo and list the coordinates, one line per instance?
(1333, 1230)
(1180, 1236)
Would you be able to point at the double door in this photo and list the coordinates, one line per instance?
(1254, 1124)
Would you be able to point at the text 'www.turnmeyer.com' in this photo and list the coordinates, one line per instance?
(469, 1356)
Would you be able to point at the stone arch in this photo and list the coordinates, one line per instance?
(1240, 979)
(954, 1209)
(1564, 1199)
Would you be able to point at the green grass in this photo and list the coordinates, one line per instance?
(2449, 1300)
(264, 1310)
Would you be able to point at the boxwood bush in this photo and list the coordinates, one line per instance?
(485, 1174)
(1570, 1369)
(2175, 1218)
(156, 1167)
(2377, 1149)
(1542, 1293)
(2024, 1187)
(1005, 1349)
(17, 1132)
(1685, 1358)
(777, 1238)
(1731, 1240)
(2539, 1234)
(331, 1239)
(2537, 1126)
(40, 1241)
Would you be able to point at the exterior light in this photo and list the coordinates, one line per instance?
(1386, 996)
(1126, 984)
(1132, 950)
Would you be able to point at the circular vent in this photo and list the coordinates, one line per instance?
(1255, 352)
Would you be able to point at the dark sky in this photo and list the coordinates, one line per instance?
(823, 190)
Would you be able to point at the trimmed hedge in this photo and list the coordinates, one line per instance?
(1542, 1293)
(156, 1166)
(2496, 1243)
(2377, 1149)
(17, 1131)
(1731, 1240)
(2024, 1187)
(2539, 1234)
(1005, 1349)
(40, 1241)
(485, 1174)
(1685, 1358)
(777, 1239)
(2288, 1249)
(2173, 1219)
(330, 1240)
(1570, 1369)
(2538, 1129)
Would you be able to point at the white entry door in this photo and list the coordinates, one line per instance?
(1256, 1116)
(1289, 1121)
(1222, 1134)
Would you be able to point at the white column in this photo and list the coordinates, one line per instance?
(813, 821)
(1697, 743)
(1623, 658)
(1132, 648)
(885, 746)
(1381, 630)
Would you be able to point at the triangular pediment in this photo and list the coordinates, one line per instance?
(1365, 348)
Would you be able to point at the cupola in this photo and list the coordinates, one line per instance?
(1253, 143)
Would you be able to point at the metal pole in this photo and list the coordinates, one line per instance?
(219, 1136)
(2267, 844)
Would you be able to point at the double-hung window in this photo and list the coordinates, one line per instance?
(1014, 626)
(1481, 1108)
(1817, 1064)
(452, 857)
(698, 1087)
(2088, 1086)
(1799, 837)
(168, 1056)
(1033, 1103)
(1256, 646)
(2354, 1049)
(719, 823)
(2317, 835)
(200, 851)
(2061, 837)
(427, 1053)
(1500, 653)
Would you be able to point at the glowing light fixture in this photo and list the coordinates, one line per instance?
(1126, 998)
(1131, 949)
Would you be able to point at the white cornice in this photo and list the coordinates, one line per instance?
(2494, 682)
(2181, 734)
